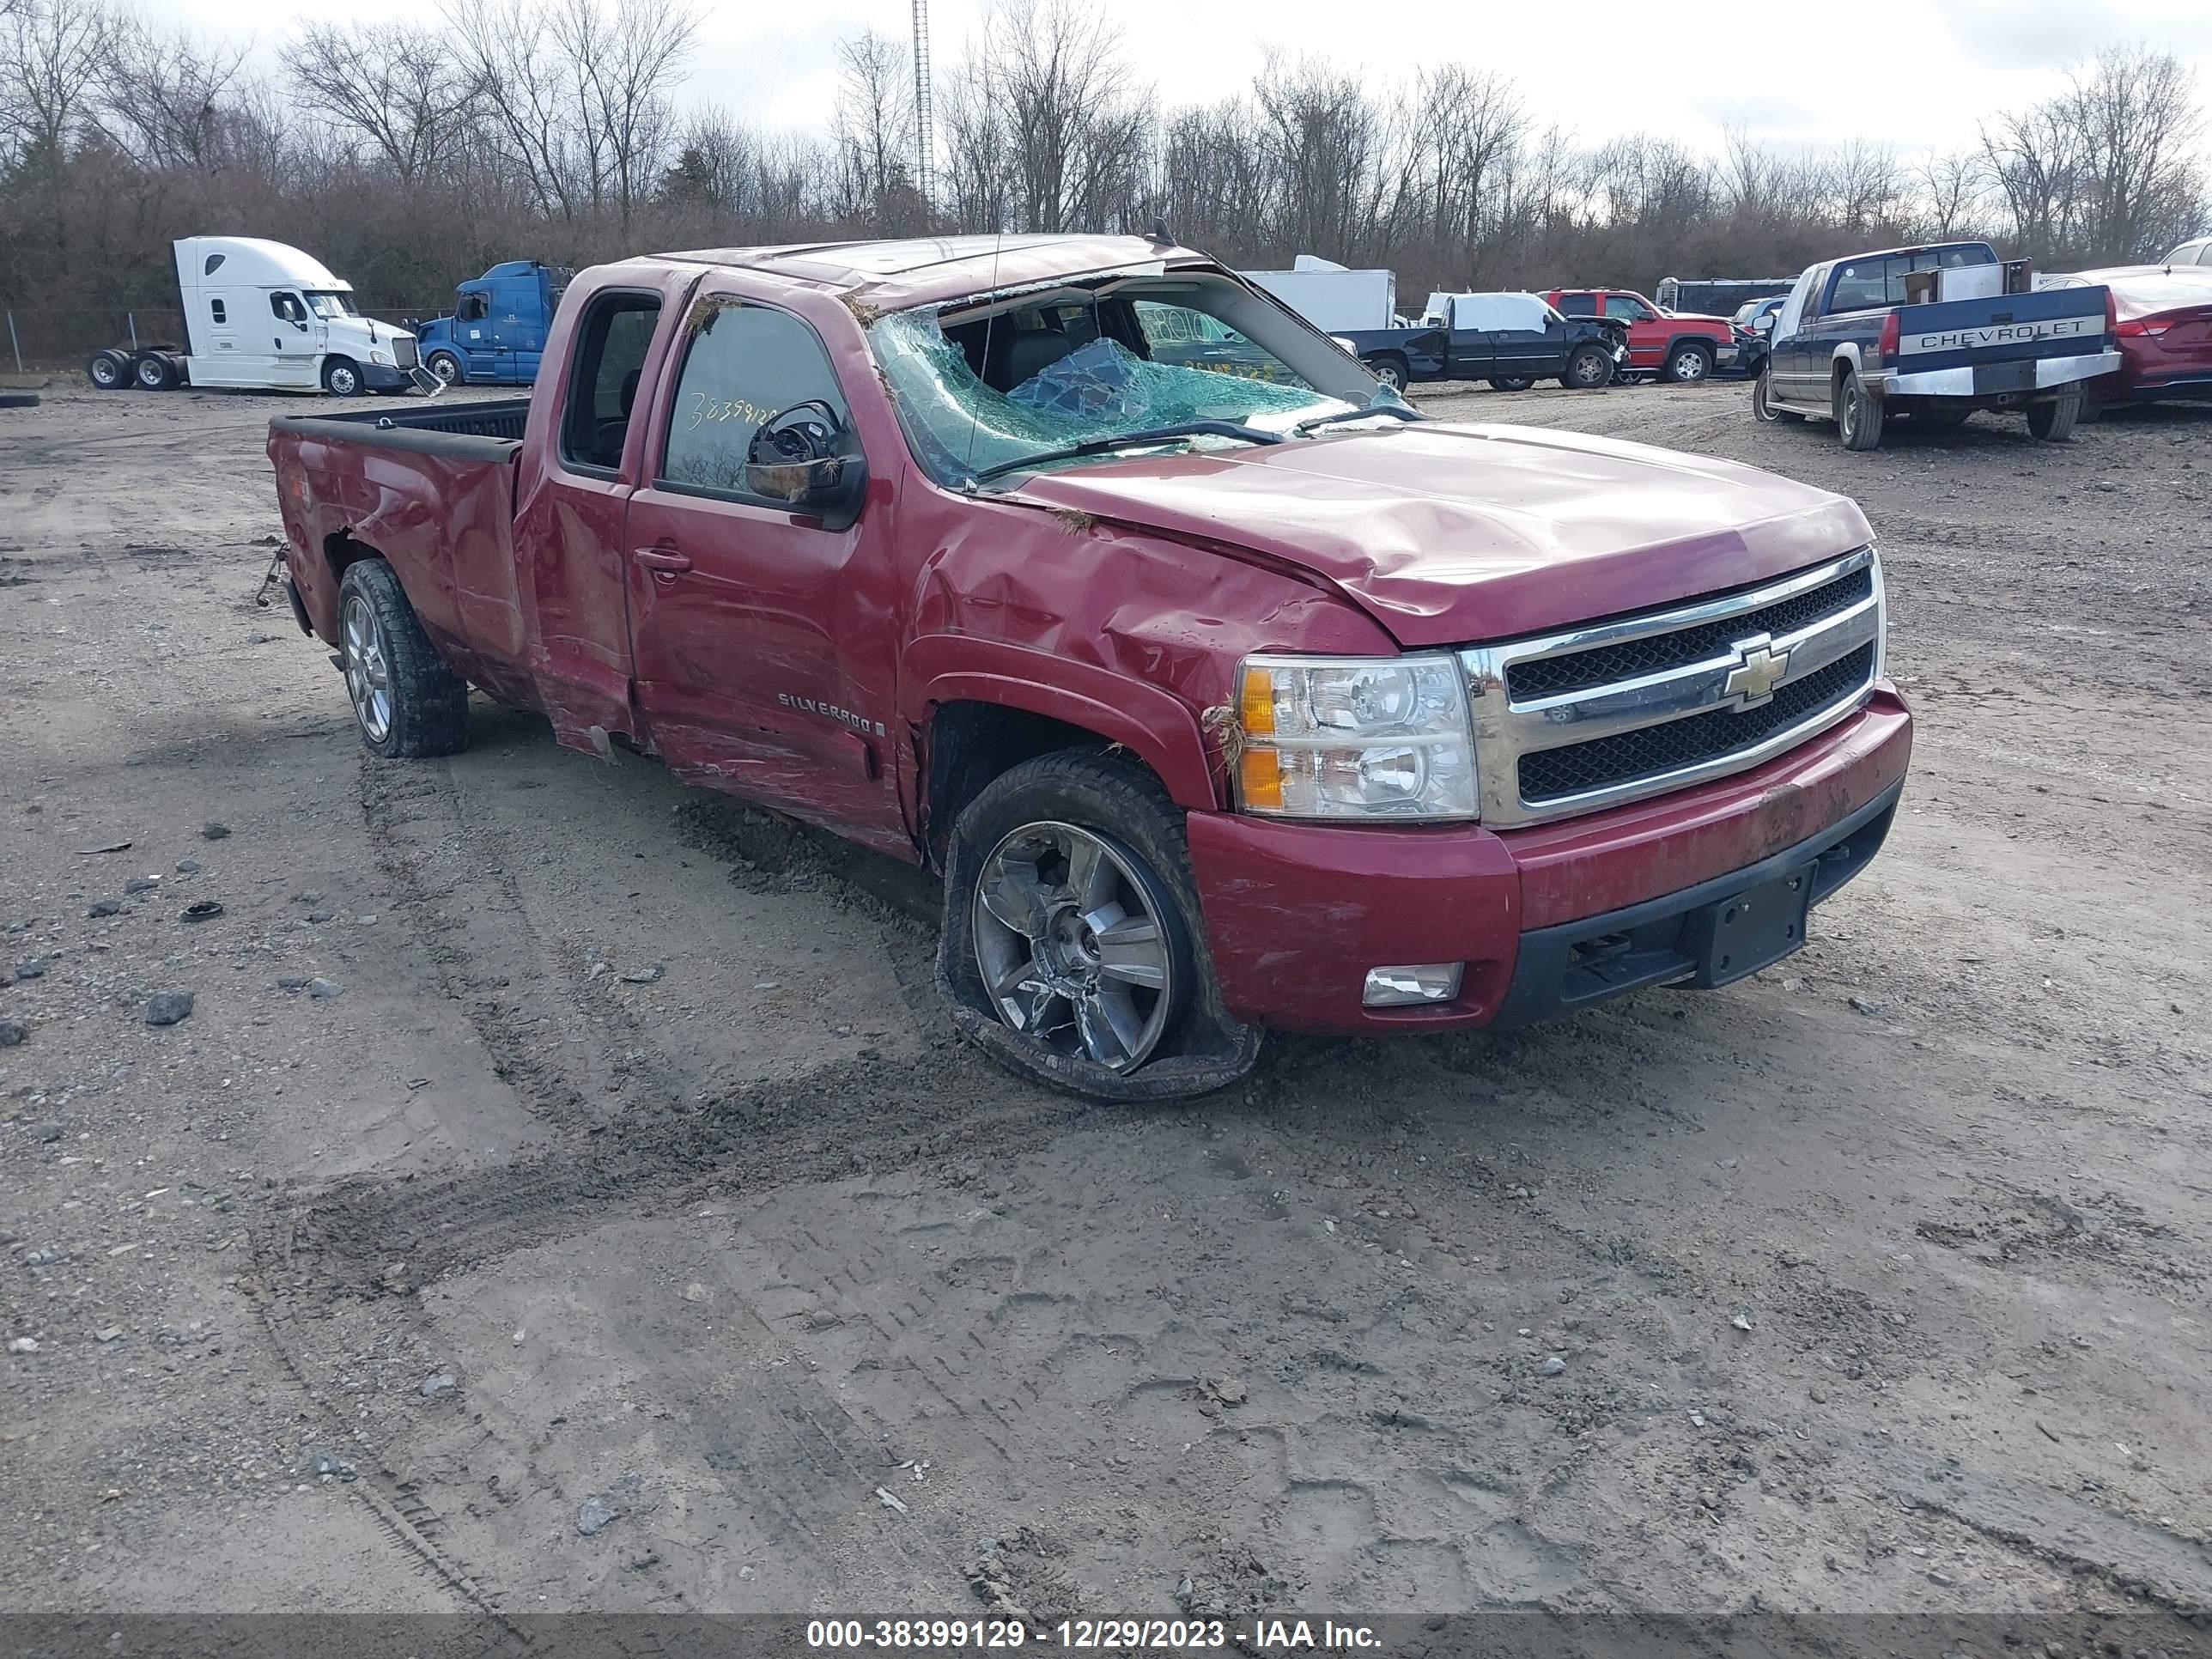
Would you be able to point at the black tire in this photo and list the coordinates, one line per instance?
(1391, 371)
(1765, 409)
(19, 400)
(427, 705)
(154, 372)
(1858, 413)
(1690, 361)
(1589, 367)
(109, 371)
(1199, 1047)
(2053, 423)
(1511, 382)
(446, 367)
(342, 378)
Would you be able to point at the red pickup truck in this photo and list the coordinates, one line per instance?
(1225, 690)
(1669, 344)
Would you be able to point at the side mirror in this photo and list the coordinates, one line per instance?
(833, 487)
(793, 458)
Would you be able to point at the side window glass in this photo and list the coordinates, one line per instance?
(286, 307)
(1187, 339)
(1626, 307)
(1579, 304)
(218, 311)
(746, 365)
(609, 364)
(472, 307)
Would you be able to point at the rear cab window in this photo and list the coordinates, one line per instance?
(611, 347)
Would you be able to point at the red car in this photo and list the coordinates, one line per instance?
(1665, 344)
(1223, 698)
(2164, 331)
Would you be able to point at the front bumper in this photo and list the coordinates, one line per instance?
(385, 377)
(1297, 913)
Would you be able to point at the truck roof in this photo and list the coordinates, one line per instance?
(923, 270)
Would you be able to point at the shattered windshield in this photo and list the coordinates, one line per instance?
(979, 392)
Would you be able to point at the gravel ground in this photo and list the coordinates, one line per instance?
(563, 1194)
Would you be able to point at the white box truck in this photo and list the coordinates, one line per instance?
(1330, 297)
(260, 315)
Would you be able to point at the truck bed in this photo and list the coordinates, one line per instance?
(431, 491)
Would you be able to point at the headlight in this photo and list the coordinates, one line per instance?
(1355, 737)
(378, 358)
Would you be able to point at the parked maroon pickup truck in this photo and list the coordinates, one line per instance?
(1225, 690)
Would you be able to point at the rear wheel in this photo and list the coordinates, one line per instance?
(2053, 421)
(108, 370)
(153, 373)
(1512, 382)
(407, 703)
(342, 378)
(1858, 413)
(1763, 406)
(1071, 949)
(1589, 367)
(1689, 361)
(1391, 371)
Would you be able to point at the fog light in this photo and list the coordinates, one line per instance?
(1420, 981)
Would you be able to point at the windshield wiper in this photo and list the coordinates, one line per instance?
(1156, 435)
(1400, 412)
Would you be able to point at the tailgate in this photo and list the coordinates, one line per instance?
(2062, 322)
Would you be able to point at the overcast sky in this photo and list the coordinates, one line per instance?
(1915, 72)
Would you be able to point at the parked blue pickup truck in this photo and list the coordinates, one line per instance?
(1934, 333)
(1511, 340)
(497, 331)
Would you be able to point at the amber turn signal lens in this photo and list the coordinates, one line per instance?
(1260, 779)
(1255, 701)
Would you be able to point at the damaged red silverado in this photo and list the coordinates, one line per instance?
(1226, 690)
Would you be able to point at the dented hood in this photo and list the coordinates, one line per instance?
(1454, 534)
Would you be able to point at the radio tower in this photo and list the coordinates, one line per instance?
(924, 122)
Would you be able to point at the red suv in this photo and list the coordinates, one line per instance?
(1666, 343)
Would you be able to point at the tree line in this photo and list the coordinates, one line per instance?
(407, 158)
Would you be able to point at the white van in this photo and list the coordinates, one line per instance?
(261, 315)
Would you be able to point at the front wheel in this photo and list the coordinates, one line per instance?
(2053, 421)
(1590, 367)
(407, 703)
(1858, 413)
(1071, 949)
(1763, 406)
(446, 366)
(342, 378)
(1511, 382)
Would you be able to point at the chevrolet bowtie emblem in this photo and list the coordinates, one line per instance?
(1759, 669)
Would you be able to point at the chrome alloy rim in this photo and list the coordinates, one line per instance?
(367, 668)
(1073, 946)
(1690, 366)
(344, 382)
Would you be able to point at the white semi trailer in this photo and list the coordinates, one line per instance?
(261, 316)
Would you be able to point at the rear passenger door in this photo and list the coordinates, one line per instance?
(569, 547)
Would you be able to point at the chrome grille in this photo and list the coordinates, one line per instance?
(1620, 710)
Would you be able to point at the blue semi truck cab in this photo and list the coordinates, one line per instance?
(1932, 332)
(495, 333)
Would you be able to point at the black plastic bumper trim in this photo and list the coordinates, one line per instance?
(1575, 964)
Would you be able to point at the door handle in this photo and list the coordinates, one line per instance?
(666, 560)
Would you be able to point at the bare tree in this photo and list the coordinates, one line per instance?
(49, 66)
(392, 87)
(2134, 111)
(1070, 124)
(873, 130)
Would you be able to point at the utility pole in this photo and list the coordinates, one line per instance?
(925, 123)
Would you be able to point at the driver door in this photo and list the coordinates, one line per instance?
(295, 342)
(755, 631)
